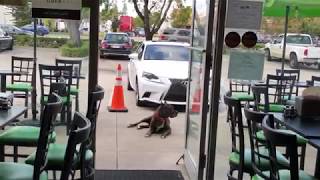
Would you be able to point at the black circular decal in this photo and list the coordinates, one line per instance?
(232, 39)
(249, 39)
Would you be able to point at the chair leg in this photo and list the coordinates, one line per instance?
(1, 153)
(54, 174)
(302, 156)
(15, 153)
(63, 114)
(77, 102)
(69, 114)
(26, 103)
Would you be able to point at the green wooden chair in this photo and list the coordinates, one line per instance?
(14, 171)
(240, 158)
(276, 139)
(21, 85)
(75, 83)
(240, 90)
(85, 163)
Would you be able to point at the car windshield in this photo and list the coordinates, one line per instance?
(167, 52)
(117, 38)
(298, 39)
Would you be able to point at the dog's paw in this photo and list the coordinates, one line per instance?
(163, 137)
(131, 125)
(147, 135)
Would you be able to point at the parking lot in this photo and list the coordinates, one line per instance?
(121, 148)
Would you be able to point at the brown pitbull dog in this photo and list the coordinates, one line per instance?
(159, 122)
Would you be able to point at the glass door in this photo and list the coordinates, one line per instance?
(197, 94)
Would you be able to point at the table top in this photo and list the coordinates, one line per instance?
(6, 116)
(9, 72)
(308, 127)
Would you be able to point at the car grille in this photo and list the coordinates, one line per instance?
(177, 91)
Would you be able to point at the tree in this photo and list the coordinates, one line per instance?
(149, 9)
(109, 14)
(181, 17)
(21, 14)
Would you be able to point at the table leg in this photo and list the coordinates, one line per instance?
(317, 168)
(3, 83)
(1, 153)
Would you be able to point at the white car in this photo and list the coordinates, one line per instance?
(158, 71)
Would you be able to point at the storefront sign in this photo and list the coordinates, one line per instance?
(246, 65)
(243, 14)
(62, 9)
(12, 2)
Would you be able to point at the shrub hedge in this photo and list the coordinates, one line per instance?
(44, 42)
(69, 50)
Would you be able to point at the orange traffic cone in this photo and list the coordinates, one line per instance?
(117, 98)
(195, 106)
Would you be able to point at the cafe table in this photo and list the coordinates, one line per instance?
(308, 127)
(3, 77)
(8, 116)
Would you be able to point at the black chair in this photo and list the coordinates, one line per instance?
(240, 89)
(76, 66)
(239, 159)
(315, 81)
(21, 85)
(85, 164)
(53, 74)
(9, 170)
(79, 133)
(276, 139)
(291, 72)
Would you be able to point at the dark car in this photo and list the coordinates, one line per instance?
(118, 44)
(176, 35)
(14, 30)
(41, 30)
(6, 41)
(139, 32)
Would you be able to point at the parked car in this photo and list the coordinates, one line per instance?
(118, 44)
(300, 50)
(176, 34)
(158, 71)
(139, 32)
(41, 30)
(6, 41)
(14, 30)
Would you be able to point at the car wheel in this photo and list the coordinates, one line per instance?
(293, 61)
(129, 87)
(40, 33)
(267, 54)
(11, 46)
(138, 101)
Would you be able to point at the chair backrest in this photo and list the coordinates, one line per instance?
(22, 64)
(234, 117)
(315, 81)
(53, 74)
(254, 121)
(279, 139)
(261, 99)
(239, 86)
(76, 67)
(290, 72)
(51, 109)
(80, 131)
(280, 88)
(95, 99)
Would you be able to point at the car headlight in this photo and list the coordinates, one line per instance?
(151, 77)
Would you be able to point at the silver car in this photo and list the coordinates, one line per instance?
(176, 35)
(6, 41)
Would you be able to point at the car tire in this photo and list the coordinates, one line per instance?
(267, 54)
(11, 46)
(293, 62)
(129, 87)
(138, 102)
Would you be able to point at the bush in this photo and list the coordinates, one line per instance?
(44, 42)
(69, 50)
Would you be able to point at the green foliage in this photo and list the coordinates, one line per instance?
(70, 50)
(109, 14)
(181, 17)
(45, 42)
(22, 14)
(138, 22)
(50, 23)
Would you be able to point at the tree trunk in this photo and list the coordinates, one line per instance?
(73, 28)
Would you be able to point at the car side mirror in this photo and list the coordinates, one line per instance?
(133, 56)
